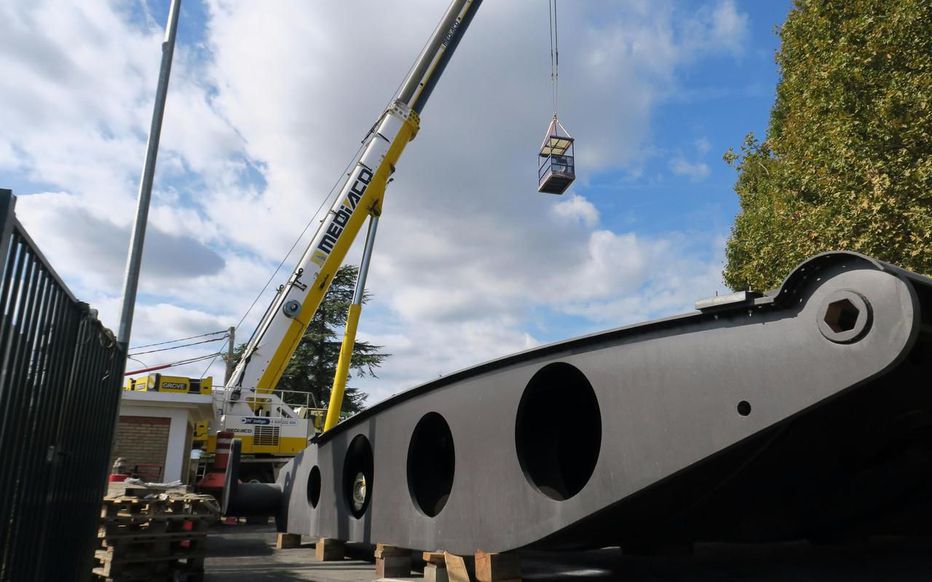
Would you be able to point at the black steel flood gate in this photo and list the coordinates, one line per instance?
(60, 376)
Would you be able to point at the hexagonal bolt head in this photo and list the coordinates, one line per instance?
(841, 315)
(844, 317)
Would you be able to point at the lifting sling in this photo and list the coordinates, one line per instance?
(556, 167)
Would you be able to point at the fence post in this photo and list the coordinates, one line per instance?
(7, 205)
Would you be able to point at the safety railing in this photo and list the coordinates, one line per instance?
(223, 399)
(554, 164)
(299, 403)
(60, 376)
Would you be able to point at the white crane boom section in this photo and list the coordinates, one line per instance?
(281, 329)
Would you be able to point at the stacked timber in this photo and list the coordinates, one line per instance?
(145, 535)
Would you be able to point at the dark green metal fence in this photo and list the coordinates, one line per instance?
(60, 377)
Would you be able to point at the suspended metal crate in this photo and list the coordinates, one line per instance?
(556, 169)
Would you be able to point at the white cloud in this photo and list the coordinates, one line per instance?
(255, 136)
(101, 245)
(695, 171)
(729, 27)
(717, 29)
(577, 209)
(428, 352)
(663, 276)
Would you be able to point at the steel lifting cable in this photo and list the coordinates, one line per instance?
(554, 55)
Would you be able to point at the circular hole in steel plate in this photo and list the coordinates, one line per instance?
(313, 486)
(558, 431)
(357, 475)
(431, 463)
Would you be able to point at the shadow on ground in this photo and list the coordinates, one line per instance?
(246, 553)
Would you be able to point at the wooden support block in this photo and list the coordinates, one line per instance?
(457, 568)
(498, 567)
(387, 551)
(330, 550)
(392, 561)
(435, 573)
(435, 558)
(285, 541)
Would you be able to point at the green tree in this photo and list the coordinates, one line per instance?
(846, 161)
(313, 365)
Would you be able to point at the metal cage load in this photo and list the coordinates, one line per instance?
(556, 168)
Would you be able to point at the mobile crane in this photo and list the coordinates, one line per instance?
(248, 405)
(276, 338)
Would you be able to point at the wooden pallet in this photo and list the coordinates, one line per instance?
(153, 536)
(143, 507)
(153, 545)
(116, 529)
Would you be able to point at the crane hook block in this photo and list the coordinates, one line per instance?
(556, 168)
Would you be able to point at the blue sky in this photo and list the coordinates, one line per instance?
(268, 102)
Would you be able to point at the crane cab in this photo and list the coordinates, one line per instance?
(556, 166)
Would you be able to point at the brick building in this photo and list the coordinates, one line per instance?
(154, 432)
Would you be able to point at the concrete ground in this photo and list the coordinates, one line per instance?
(247, 553)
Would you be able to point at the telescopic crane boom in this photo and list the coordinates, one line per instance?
(281, 329)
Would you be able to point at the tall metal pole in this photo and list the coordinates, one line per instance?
(134, 259)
